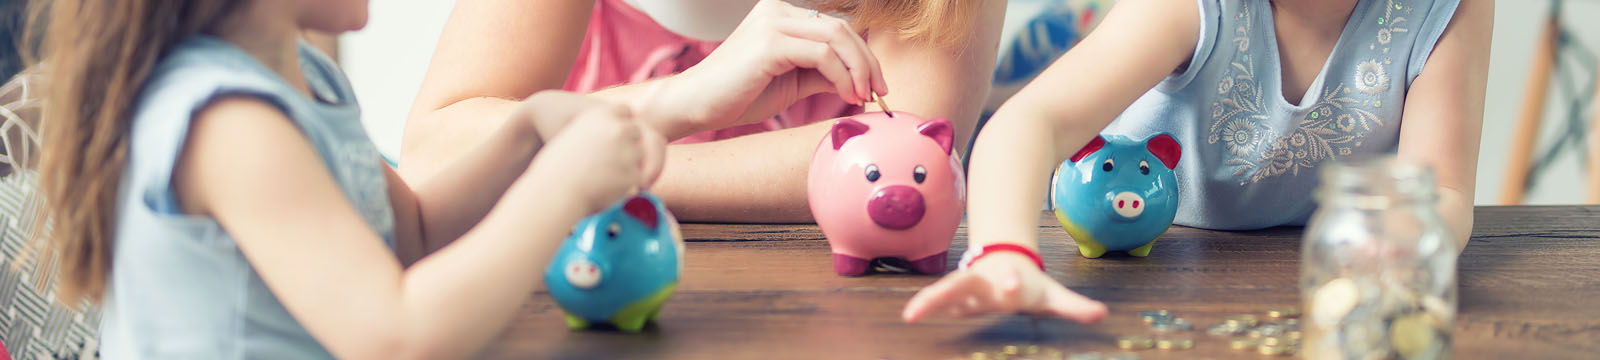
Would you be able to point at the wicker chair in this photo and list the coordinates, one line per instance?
(32, 324)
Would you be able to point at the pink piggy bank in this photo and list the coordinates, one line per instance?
(887, 189)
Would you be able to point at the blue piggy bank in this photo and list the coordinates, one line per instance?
(618, 266)
(1118, 194)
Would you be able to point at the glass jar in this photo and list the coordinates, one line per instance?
(1378, 265)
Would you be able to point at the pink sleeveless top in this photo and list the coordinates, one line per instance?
(624, 46)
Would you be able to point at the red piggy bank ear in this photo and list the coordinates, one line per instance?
(1094, 145)
(642, 210)
(845, 129)
(941, 132)
(1165, 148)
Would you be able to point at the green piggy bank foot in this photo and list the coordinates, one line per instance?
(1092, 250)
(575, 323)
(633, 317)
(1143, 251)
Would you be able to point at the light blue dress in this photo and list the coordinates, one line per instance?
(1250, 157)
(180, 288)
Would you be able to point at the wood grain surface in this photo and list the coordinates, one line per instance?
(1529, 280)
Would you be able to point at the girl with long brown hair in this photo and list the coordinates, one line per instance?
(207, 179)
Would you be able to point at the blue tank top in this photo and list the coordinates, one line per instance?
(179, 287)
(1250, 157)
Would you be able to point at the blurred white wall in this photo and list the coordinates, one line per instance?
(386, 62)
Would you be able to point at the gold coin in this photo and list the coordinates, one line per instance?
(1292, 334)
(1175, 344)
(1283, 312)
(1135, 342)
(1244, 344)
(1031, 349)
(1010, 350)
(1240, 321)
(1411, 335)
(1272, 341)
(979, 356)
(1155, 316)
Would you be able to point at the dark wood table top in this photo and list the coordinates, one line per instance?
(1529, 288)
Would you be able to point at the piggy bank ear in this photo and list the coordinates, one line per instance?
(1094, 145)
(941, 132)
(1166, 148)
(845, 129)
(642, 210)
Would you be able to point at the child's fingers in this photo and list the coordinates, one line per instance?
(1064, 303)
(947, 293)
(845, 44)
(653, 148)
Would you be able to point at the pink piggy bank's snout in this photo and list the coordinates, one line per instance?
(897, 207)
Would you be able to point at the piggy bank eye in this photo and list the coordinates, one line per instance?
(872, 173)
(1144, 167)
(919, 174)
(613, 230)
(1107, 166)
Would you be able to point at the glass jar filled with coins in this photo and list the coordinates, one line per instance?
(1378, 266)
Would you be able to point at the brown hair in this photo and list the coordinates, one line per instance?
(96, 56)
(937, 22)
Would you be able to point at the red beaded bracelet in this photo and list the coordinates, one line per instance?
(971, 256)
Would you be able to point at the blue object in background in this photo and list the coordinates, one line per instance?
(1118, 194)
(618, 266)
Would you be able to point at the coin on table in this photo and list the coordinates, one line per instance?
(979, 356)
(1009, 350)
(1273, 350)
(1174, 343)
(1087, 356)
(1221, 330)
(1332, 301)
(1135, 342)
(1171, 326)
(1240, 321)
(1245, 344)
(1283, 312)
(1411, 335)
(1154, 316)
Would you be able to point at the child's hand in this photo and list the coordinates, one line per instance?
(1002, 283)
(601, 155)
(778, 55)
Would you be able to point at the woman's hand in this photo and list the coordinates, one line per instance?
(1002, 283)
(778, 55)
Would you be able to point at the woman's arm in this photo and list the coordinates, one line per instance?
(1139, 43)
(1443, 116)
(762, 177)
(248, 167)
(490, 55)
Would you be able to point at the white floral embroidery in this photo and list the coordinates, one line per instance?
(1335, 125)
(1371, 78)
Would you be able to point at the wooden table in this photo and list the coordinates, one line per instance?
(1530, 289)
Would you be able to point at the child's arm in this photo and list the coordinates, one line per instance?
(1139, 43)
(251, 169)
(451, 202)
(1443, 116)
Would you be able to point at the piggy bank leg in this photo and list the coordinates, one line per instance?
(575, 323)
(633, 317)
(847, 265)
(932, 265)
(1143, 251)
(1091, 250)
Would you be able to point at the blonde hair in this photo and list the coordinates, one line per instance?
(96, 55)
(940, 23)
